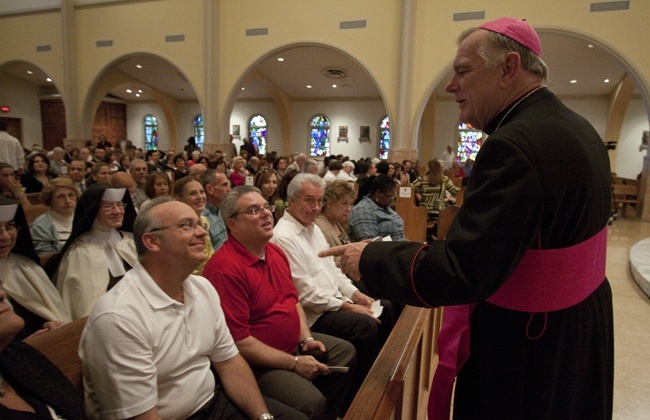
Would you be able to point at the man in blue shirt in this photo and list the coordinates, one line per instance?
(216, 186)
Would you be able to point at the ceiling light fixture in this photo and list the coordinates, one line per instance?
(129, 91)
(138, 66)
(48, 79)
(574, 81)
(139, 90)
(280, 59)
(243, 88)
(334, 86)
(137, 95)
(590, 45)
(308, 86)
(30, 72)
(606, 80)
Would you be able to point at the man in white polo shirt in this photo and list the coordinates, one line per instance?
(149, 342)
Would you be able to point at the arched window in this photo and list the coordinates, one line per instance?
(320, 136)
(198, 131)
(150, 132)
(470, 141)
(384, 138)
(257, 133)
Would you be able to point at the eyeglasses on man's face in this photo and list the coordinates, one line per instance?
(185, 226)
(254, 211)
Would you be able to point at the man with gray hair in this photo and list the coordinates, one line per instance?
(297, 164)
(523, 264)
(139, 171)
(161, 329)
(265, 317)
(332, 304)
(347, 173)
(310, 167)
(58, 165)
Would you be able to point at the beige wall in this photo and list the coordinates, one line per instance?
(141, 26)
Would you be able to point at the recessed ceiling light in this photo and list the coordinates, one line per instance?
(30, 72)
(243, 88)
(139, 90)
(574, 81)
(137, 95)
(129, 91)
(590, 45)
(138, 66)
(308, 86)
(334, 86)
(280, 59)
(48, 79)
(606, 80)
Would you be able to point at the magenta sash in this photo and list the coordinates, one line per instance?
(544, 281)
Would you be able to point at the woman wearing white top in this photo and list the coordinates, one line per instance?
(29, 289)
(100, 250)
(51, 230)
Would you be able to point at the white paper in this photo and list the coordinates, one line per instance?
(377, 309)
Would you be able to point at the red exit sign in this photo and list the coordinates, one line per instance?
(5, 108)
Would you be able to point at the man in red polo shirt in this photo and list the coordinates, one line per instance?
(264, 315)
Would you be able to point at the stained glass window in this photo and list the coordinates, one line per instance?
(257, 133)
(470, 141)
(198, 131)
(320, 136)
(384, 138)
(150, 132)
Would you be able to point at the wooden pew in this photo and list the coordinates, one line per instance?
(445, 218)
(415, 218)
(33, 211)
(34, 198)
(623, 195)
(398, 384)
(61, 346)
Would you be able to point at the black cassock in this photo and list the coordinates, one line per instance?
(542, 179)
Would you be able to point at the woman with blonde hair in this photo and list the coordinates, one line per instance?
(239, 172)
(51, 230)
(434, 190)
(337, 204)
(190, 191)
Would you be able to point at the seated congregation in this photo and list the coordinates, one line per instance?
(187, 285)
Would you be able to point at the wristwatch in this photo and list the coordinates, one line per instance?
(266, 416)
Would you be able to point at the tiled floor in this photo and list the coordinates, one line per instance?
(631, 323)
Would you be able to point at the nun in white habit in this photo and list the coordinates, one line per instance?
(30, 291)
(100, 249)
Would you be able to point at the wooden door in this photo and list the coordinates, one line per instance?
(53, 123)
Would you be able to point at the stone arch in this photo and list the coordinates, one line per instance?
(282, 101)
(111, 77)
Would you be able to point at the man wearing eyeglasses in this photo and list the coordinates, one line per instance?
(332, 304)
(264, 314)
(149, 343)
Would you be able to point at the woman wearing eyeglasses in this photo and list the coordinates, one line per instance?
(373, 216)
(28, 289)
(338, 199)
(100, 249)
(191, 192)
